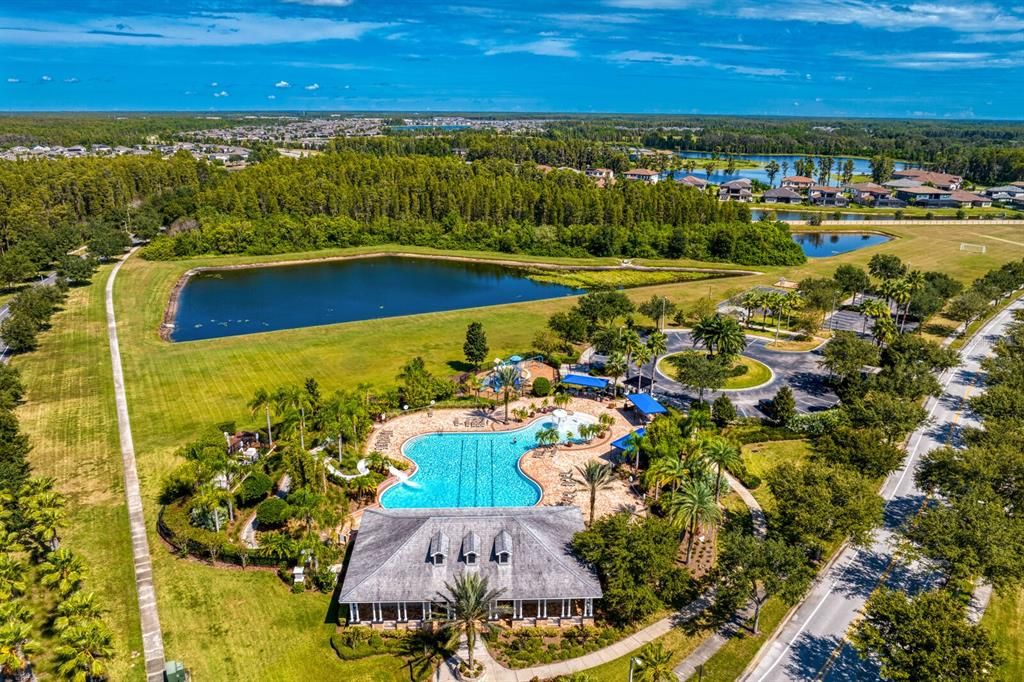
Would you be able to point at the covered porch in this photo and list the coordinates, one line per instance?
(514, 612)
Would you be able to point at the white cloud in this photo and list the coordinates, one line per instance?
(46, 79)
(313, 86)
(214, 84)
(221, 30)
(985, 38)
(13, 80)
(742, 47)
(652, 4)
(937, 60)
(668, 59)
(962, 18)
(547, 47)
(271, 96)
(320, 3)
(72, 79)
(592, 22)
(222, 93)
(282, 84)
(841, 78)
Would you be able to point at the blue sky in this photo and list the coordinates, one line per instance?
(832, 57)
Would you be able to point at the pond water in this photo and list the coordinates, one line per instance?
(244, 301)
(825, 244)
(757, 213)
(860, 166)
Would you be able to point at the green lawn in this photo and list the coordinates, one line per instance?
(232, 624)
(760, 458)
(1005, 621)
(677, 641)
(731, 659)
(757, 372)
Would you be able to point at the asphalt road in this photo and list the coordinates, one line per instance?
(800, 370)
(5, 311)
(812, 645)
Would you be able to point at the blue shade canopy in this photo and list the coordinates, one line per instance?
(624, 442)
(584, 380)
(646, 404)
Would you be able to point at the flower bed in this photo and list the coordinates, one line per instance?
(526, 647)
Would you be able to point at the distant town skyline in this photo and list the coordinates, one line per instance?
(833, 58)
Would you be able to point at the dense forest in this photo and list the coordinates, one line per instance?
(110, 129)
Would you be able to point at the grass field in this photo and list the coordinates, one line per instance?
(760, 458)
(231, 624)
(757, 372)
(1005, 622)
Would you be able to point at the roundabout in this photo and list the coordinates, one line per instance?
(743, 372)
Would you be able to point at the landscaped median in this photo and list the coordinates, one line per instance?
(742, 372)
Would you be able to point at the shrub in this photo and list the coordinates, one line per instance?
(254, 488)
(541, 387)
(272, 513)
(738, 371)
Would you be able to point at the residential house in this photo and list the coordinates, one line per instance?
(602, 176)
(965, 199)
(800, 183)
(693, 181)
(823, 195)
(403, 559)
(1004, 192)
(871, 194)
(934, 178)
(643, 175)
(735, 190)
(782, 195)
(923, 195)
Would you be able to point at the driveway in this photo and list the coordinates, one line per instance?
(799, 370)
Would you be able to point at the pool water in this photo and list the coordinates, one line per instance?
(473, 469)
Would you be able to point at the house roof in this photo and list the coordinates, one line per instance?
(390, 563)
(737, 183)
(903, 182)
(1007, 189)
(641, 171)
(693, 180)
(782, 193)
(925, 190)
(798, 178)
(869, 187)
(963, 195)
(824, 189)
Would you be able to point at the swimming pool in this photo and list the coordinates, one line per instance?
(474, 469)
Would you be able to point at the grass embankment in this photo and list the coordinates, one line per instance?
(1004, 620)
(613, 279)
(232, 624)
(760, 458)
(756, 374)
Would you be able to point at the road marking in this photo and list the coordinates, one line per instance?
(799, 632)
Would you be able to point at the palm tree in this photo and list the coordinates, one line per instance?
(44, 511)
(505, 379)
(631, 344)
(63, 570)
(261, 400)
(884, 331)
(654, 664)
(561, 399)
(472, 602)
(293, 400)
(874, 308)
(615, 367)
(722, 454)
(657, 343)
(666, 471)
(721, 334)
(548, 437)
(83, 651)
(771, 169)
(277, 546)
(641, 357)
(208, 500)
(78, 607)
(12, 577)
(693, 507)
(593, 477)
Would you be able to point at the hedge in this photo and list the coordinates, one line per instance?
(173, 526)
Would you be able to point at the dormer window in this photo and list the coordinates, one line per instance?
(503, 547)
(471, 548)
(438, 548)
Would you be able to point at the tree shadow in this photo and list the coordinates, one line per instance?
(811, 658)
(460, 366)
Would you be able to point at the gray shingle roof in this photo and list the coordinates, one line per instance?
(390, 557)
(439, 544)
(471, 544)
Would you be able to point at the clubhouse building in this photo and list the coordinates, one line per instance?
(403, 559)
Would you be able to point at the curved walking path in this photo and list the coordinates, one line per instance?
(499, 673)
(152, 636)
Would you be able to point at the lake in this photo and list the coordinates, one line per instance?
(860, 166)
(825, 244)
(758, 213)
(247, 300)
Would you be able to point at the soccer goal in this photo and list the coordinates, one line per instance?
(973, 248)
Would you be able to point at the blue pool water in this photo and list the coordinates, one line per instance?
(476, 469)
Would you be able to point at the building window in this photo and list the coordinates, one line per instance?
(471, 559)
(439, 559)
(503, 558)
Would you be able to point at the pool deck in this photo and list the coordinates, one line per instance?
(545, 466)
